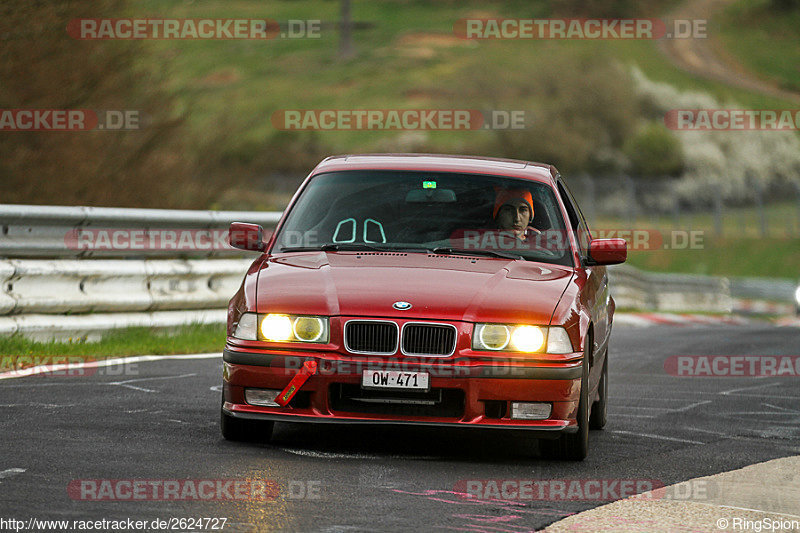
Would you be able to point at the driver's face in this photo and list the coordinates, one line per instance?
(515, 215)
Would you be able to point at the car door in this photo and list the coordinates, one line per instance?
(595, 294)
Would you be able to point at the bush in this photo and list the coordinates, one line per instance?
(723, 163)
(654, 152)
(582, 112)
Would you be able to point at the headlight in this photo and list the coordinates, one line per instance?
(492, 336)
(294, 328)
(276, 328)
(282, 328)
(308, 328)
(527, 339)
(521, 338)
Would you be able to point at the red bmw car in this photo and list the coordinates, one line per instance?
(424, 289)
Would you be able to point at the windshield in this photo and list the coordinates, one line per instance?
(427, 211)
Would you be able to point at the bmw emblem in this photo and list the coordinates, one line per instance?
(401, 306)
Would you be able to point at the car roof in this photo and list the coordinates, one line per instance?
(439, 162)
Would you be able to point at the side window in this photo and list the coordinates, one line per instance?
(571, 212)
(576, 220)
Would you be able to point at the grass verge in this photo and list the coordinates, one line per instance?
(198, 338)
(764, 39)
(748, 257)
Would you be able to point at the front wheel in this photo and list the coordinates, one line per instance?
(574, 446)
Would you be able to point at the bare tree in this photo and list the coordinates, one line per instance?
(346, 50)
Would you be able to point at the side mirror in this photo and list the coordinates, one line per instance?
(247, 236)
(607, 251)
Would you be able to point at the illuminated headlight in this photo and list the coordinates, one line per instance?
(276, 328)
(293, 328)
(282, 328)
(247, 328)
(527, 339)
(797, 295)
(520, 338)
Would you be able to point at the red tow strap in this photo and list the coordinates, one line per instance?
(308, 369)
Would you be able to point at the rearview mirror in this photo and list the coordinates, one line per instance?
(607, 251)
(246, 236)
(438, 196)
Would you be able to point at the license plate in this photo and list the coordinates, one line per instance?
(394, 379)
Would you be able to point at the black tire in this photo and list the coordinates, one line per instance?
(574, 446)
(599, 415)
(236, 429)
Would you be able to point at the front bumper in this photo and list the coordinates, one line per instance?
(473, 392)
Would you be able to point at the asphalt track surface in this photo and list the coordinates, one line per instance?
(160, 422)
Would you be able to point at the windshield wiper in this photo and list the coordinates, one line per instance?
(462, 251)
(350, 247)
(301, 249)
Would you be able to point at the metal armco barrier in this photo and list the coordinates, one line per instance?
(90, 286)
(634, 289)
(58, 231)
(54, 286)
(80, 299)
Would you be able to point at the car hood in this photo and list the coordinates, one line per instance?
(443, 287)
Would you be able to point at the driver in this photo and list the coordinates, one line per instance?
(513, 212)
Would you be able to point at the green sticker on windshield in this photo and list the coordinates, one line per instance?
(428, 184)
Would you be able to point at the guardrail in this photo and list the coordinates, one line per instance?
(82, 299)
(77, 286)
(774, 290)
(634, 289)
(90, 232)
(54, 287)
(77, 272)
